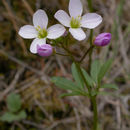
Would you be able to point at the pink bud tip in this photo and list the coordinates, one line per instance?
(103, 39)
(44, 50)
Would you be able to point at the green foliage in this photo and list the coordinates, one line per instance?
(68, 85)
(88, 78)
(70, 94)
(14, 105)
(93, 80)
(104, 93)
(10, 117)
(77, 76)
(65, 84)
(104, 69)
(13, 102)
(113, 86)
(94, 92)
(95, 68)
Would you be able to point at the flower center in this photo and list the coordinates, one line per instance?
(75, 22)
(42, 33)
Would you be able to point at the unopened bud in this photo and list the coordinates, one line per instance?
(44, 50)
(102, 39)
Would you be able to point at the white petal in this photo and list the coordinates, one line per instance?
(63, 18)
(40, 19)
(33, 47)
(91, 20)
(55, 31)
(78, 33)
(28, 32)
(75, 8)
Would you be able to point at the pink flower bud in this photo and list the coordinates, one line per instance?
(44, 50)
(102, 39)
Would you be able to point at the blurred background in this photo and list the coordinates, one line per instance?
(28, 75)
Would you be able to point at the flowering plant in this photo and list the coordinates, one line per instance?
(85, 83)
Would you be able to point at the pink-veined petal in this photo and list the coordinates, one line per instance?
(78, 34)
(75, 8)
(91, 20)
(33, 47)
(63, 18)
(40, 19)
(28, 32)
(55, 31)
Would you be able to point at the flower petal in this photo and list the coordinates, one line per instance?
(28, 32)
(33, 47)
(63, 18)
(55, 31)
(78, 33)
(75, 8)
(91, 20)
(40, 19)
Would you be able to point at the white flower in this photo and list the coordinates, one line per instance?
(39, 31)
(75, 21)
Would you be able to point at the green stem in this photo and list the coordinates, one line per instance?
(82, 75)
(86, 53)
(95, 113)
(98, 87)
(61, 54)
(79, 69)
(91, 34)
(90, 53)
(90, 5)
(92, 98)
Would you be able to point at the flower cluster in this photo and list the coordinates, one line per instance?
(75, 22)
(40, 32)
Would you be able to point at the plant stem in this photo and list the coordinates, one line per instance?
(81, 73)
(61, 54)
(86, 53)
(90, 53)
(92, 98)
(90, 5)
(91, 34)
(79, 69)
(95, 113)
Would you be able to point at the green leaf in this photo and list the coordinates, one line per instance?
(21, 115)
(13, 102)
(104, 93)
(104, 69)
(77, 76)
(95, 68)
(94, 93)
(89, 80)
(65, 84)
(10, 117)
(74, 94)
(70, 94)
(113, 86)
